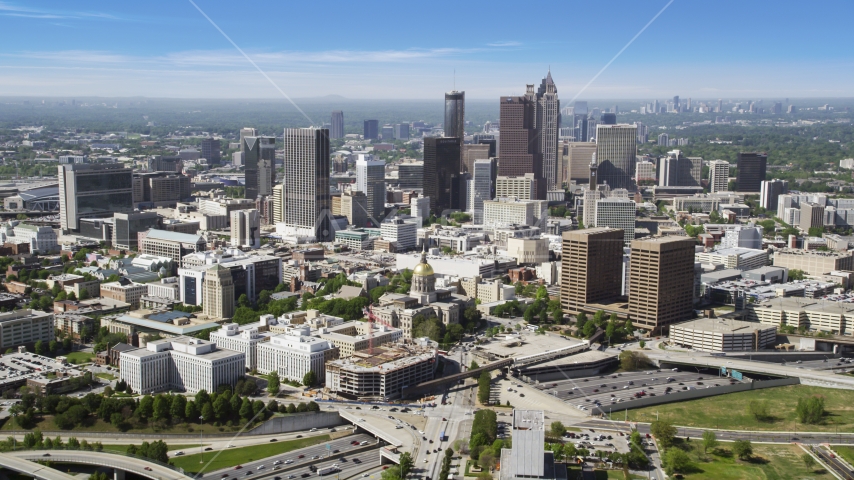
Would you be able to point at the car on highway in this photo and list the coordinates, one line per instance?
(238, 467)
(273, 440)
(179, 453)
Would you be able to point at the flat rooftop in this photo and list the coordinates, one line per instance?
(722, 325)
(525, 344)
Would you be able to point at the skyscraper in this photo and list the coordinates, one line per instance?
(483, 186)
(259, 156)
(770, 192)
(678, 170)
(579, 121)
(455, 115)
(372, 129)
(370, 179)
(211, 150)
(337, 130)
(387, 133)
(246, 228)
(608, 119)
(247, 132)
(519, 153)
(93, 191)
(616, 153)
(547, 118)
(615, 212)
(218, 292)
(442, 173)
(750, 171)
(661, 282)
(306, 202)
(472, 152)
(401, 131)
(718, 176)
(591, 267)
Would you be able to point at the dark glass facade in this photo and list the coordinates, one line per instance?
(190, 291)
(266, 276)
(750, 172)
(372, 129)
(442, 173)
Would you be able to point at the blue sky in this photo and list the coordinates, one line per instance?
(410, 50)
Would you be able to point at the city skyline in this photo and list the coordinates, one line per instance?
(183, 55)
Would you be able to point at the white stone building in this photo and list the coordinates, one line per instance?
(292, 356)
(232, 337)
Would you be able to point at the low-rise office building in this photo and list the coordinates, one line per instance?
(246, 340)
(124, 291)
(723, 335)
(352, 337)
(25, 327)
(813, 262)
(294, 355)
(182, 364)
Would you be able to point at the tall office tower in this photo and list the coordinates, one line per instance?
(218, 292)
(750, 171)
(246, 228)
(616, 153)
(306, 202)
(663, 139)
(593, 175)
(211, 150)
(455, 115)
(546, 125)
(277, 203)
(486, 139)
(159, 163)
(661, 282)
(370, 178)
(387, 133)
(472, 152)
(677, 107)
(656, 107)
(579, 113)
(442, 173)
(588, 215)
(354, 206)
(812, 215)
(401, 131)
(770, 192)
(519, 152)
(93, 191)
(616, 212)
(410, 175)
(259, 156)
(718, 176)
(678, 170)
(668, 172)
(337, 125)
(777, 109)
(580, 155)
(483, 186)
(419, 207)
(247, 132)
(372, 129)
(591, 267)
(608, 119)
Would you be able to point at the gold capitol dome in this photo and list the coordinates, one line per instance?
(423, 269)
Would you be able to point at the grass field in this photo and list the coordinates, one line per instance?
(80, 357)
(730, 411)
(236, 456)
(106, 376)
(768, 462)
(124, 448)
(94, 425)
(846, 452)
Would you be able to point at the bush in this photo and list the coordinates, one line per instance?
(810, 410)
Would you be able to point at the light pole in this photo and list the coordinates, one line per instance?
(201, 447)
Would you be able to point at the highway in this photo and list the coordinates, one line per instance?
(301, 457)
(832, 461)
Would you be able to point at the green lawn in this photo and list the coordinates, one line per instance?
(106, 376)
(768, 462)
(730, 411)
(124, 448)
(236, 456)
(80, 357)
(844, 451)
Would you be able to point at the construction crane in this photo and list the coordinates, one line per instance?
(369, 313)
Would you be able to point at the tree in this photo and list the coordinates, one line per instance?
(557, 429)
(631, 360)
(642, 344)
(190, 411)
(483, 387)
(208, 412)
(39, 347)
(161, 407)
(473, 365)
(405, 463)
(810, 410)
(795, 274)
(710, 440)
(589, 329)
(809, 461)
(391, 473)
(629, 327)
(664, 432)
(246, 409)
(222, 408)
(309, 379)
(676, 461)
(178, 408)
(742, 449)
(273, 383)
(243, 300)
(759, 410)
(145, 408)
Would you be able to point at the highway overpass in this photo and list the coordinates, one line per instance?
(423, 388)
(369, 427)
(138, 466)
(35, 470)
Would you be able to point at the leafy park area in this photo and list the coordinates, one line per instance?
(770, 409)
(236, 456)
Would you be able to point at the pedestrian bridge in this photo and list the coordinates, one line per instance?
(366, 425)
(121, 463)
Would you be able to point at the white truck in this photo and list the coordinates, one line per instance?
(325, 470)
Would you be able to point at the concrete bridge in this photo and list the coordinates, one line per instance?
(119, 463)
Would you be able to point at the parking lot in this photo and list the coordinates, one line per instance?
(598, 440)
(603, 390)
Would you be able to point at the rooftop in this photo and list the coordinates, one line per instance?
(174, 236)
(722, 325)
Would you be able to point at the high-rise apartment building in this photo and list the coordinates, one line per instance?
(442, 173)
(750, 171)
(591, 267)
(546, 125)
(259, 156)
(616, 153)
(770, 191)
(211, 150)
(615, 212)
(661, 281)
(483, 187)
(370, 179)
(306, 202)
(455, 115)
(336, 129)
(372, 129)
(246, 228)
(519, 153)
(718, 176)
(812, 216)
(663, 139)
(218, 292)
(93, 191)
